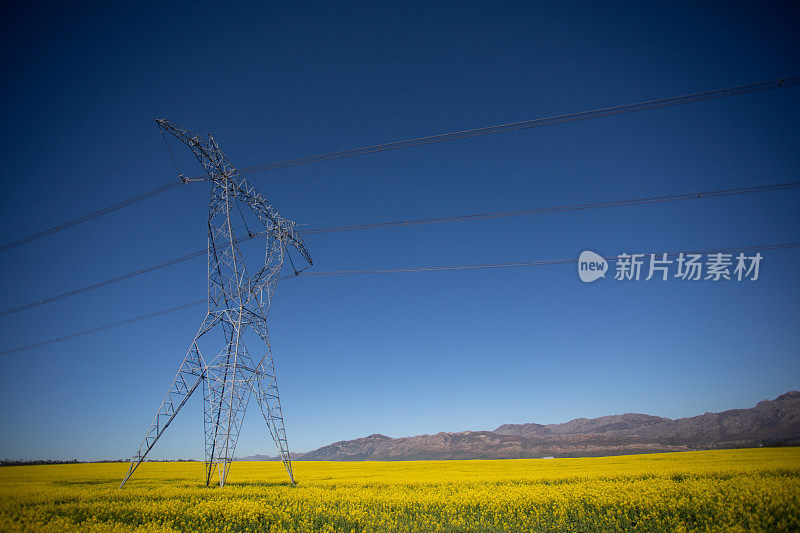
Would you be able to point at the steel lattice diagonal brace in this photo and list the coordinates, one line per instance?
(266, 391)
(226, 393)
(189, 376)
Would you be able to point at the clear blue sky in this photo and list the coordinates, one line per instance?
(398, 354)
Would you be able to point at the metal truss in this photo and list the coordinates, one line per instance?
(218, 361)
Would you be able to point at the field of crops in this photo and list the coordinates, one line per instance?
(730, 490)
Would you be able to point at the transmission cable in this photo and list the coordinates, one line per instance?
(91, 216)
(420, 87)
(423, 221)
(535, 123)
(432, 268)
(473, 76)
(443, 137)
(169, 149)
(559, 209)
(540, 262)
(78, 184)
(107, 326)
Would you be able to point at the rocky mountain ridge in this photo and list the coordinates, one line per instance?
(770, 422)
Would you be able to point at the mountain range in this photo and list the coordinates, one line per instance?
(769, 423)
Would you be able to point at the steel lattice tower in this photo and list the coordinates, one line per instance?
(237, 309)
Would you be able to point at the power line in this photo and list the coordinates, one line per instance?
(105, 327)
(506, 69)
(432, 268)
(443, 137)
(91, 216)
(561, 208)
(535, 123)
(79, 183)
(102, 283)
(417, 88)
(541, 262)
(438, 220)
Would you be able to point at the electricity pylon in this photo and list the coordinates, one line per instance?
(237, 312)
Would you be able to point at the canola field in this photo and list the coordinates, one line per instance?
(728, 490)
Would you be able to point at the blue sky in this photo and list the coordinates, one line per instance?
(412, 353)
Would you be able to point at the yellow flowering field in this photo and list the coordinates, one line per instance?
(728, 490)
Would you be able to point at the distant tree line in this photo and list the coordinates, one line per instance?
(17, 462)
(20, 462)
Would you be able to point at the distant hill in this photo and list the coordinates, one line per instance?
(770, 423)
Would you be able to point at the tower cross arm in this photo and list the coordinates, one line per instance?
(205, 150)
(216, 165)
(272, 220)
